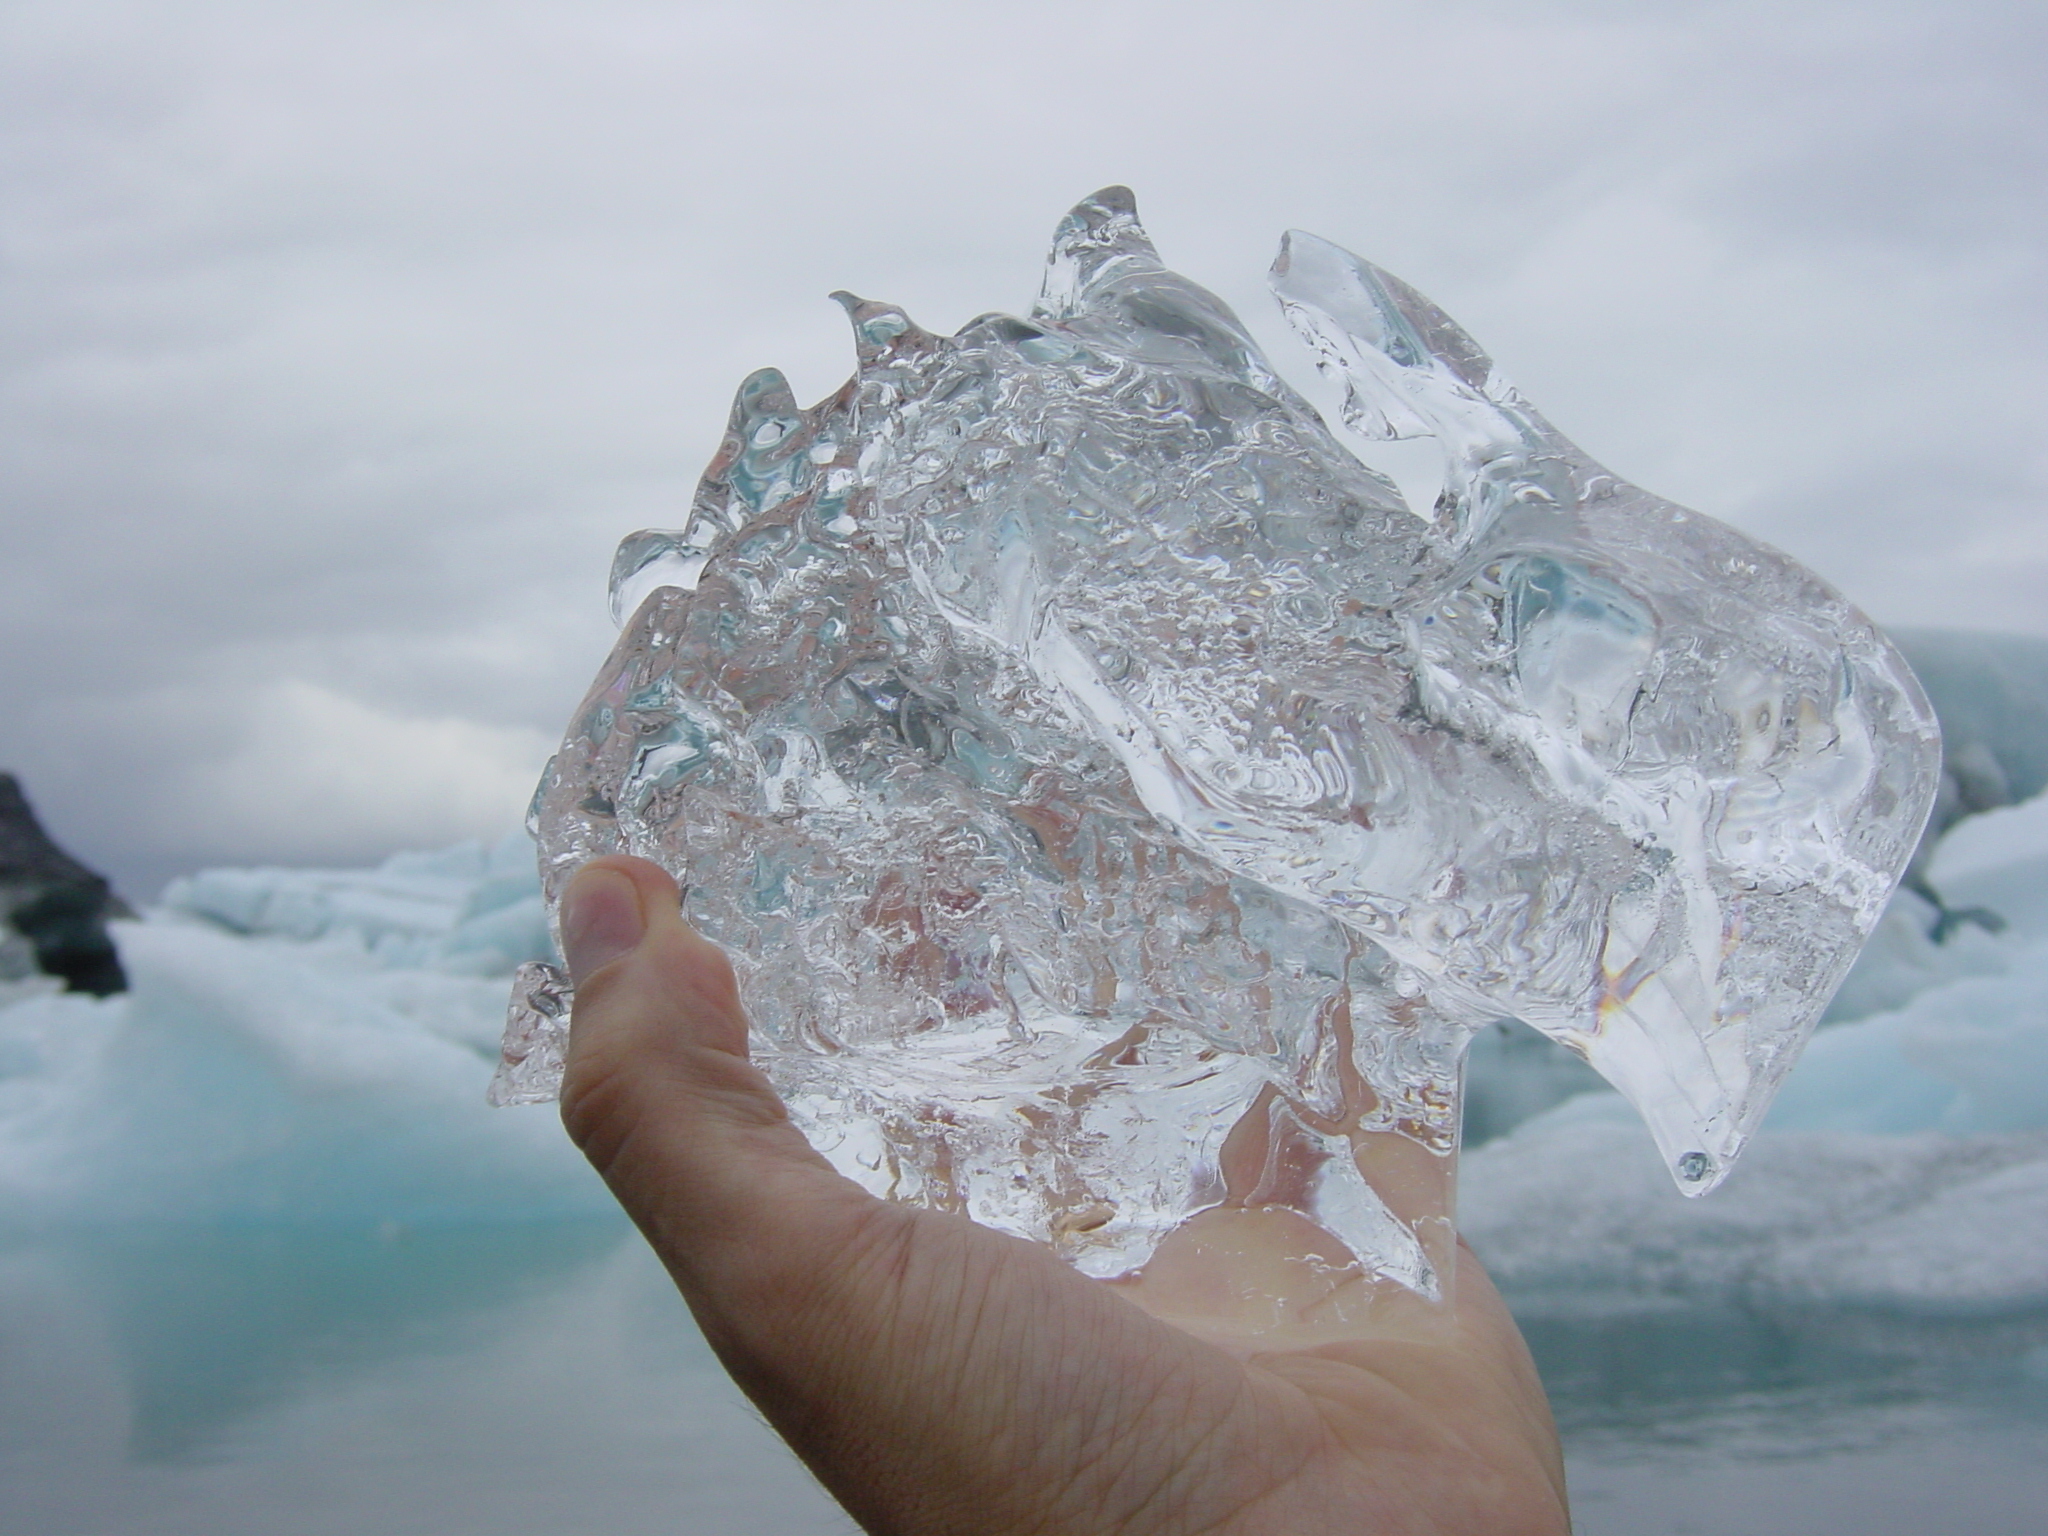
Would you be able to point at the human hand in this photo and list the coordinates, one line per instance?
(939, 1377)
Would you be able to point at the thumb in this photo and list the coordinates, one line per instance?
(937, 1376)
(660, 1096)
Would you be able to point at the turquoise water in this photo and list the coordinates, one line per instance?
(542, 1378)
(1726, 1422)
(506, 1378)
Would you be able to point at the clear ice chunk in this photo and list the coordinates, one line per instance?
(530, 1058)
(1117, 802)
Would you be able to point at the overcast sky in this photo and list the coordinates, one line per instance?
(339, 343)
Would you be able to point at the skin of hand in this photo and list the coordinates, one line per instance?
(940, 1377)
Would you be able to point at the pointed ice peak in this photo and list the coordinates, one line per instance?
(762, 394)
(1374, 306)
(1406, 368)
(879, 330)
(764, 415)
(749, 474)
(1099, 238)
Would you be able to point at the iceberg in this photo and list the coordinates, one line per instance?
(470, 908)
(1117, 801)
(1573, 1219)
(296, 1045)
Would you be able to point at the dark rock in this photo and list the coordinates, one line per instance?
(53, 910)
(1990, 693)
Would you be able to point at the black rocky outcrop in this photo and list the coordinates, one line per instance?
(53, 910)
(1990, 693)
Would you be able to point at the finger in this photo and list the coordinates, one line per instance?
(936, 1375)
(659, 1093)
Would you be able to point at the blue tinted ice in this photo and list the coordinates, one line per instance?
(1118, 802)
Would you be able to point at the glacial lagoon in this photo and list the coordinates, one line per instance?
(269, 1263)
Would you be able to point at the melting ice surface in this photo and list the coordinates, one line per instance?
(1118, 802)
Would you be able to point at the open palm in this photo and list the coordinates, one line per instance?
(941, 1377)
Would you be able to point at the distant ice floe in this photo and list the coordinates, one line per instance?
(304, 1045)
(470, 909)
(1571, 1212)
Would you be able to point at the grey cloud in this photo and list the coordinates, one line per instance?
(340, 342)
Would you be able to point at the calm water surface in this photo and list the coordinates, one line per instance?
(543, 1378)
